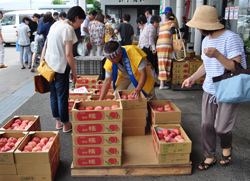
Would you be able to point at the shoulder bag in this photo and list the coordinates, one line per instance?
(47, 72)
(233, 87)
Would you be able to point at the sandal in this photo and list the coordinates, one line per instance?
(68, 130)
(225, 160)
(29, 67)
(23, 67)
(205, 166)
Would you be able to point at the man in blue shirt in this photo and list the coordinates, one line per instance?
(148, 14)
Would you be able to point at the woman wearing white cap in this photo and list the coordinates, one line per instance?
(219, 48)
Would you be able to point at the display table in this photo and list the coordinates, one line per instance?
(138, 159)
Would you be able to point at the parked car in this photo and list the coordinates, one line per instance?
(243, 24)
(11, 20)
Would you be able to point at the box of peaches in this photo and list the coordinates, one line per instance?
(164, 112)
(38, 147)
(8, 144)
(22, 123)
(97, 111)
(171, 138)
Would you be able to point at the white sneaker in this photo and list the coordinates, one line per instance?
(164, 87)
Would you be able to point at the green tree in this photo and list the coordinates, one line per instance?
(96, 4)
(57, 2)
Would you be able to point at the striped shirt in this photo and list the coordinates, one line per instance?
(230, 45)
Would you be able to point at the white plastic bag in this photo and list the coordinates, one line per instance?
(82, 49)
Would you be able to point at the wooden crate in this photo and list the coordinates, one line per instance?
(136, 162)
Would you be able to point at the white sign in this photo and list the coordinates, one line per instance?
(226, 12)
(236, 12)
(231, 15)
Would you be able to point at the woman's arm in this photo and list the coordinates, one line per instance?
(227, 63)
(43, 52)
(70, 58)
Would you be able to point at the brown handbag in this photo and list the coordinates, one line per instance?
(41, 84)
(178, 44)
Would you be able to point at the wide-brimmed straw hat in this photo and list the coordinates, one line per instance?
(205, 18)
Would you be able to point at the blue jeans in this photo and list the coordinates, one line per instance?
(22, 50)
(59, 94)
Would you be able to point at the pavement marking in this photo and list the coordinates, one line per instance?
(11, 103)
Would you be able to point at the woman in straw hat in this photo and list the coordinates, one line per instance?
(219, 48)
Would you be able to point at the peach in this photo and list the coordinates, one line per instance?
(26, 121)
(178, 137)
(81, 99)
(124, 96)
(46, 147)
(110, 93)
(166, 131)
(172, 140)
(181, 140)
(89, 108)
(115, 107)
(28, 147)
(14, 125)
(18, 121)
(32, 143)
(72, 100)
(154, 107)
(81, 108)
(2, 144)
(12, 140)
(25, 151)
(106, 108)
(176, 131)
(20, 139)
(31, 122)
(10, 144)
(98, 93)
(41, 145)
(108, 99)
(44, 140)
(98, 108)
(51, 138)
(36, 139)
(5, 149)
(4, 140)
(37, 149)
(77, 99)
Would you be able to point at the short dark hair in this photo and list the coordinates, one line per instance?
(62, 14)
(149, 10)
(141, 19)
(55, 14)
(111, 46)
(26, 18)
(93, 12)
(208, 32)
(37, 15)
(170, 16)
(184, 18)
(47, 18)
(155, 18)
(126, 17)
(100, 17)
(76, 11)
(107, 16)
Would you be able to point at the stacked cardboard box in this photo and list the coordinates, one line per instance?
(158, 117)
(134, 114)
(171, 153)
(35, 126)
(41, 164)
(97, 97)
(100, 83)
(183, 69)
(89, 81)
(7, 160)
(97, 135)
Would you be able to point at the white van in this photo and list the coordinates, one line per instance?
(11, 20)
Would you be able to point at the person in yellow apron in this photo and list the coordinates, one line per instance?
(125, 65)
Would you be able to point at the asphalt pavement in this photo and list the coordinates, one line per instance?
(189, 102)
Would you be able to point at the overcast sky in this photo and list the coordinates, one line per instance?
(23, 4)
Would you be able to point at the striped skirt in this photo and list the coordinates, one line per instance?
(164, 62)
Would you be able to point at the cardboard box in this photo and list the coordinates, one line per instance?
(35, 178)
(181, 158)
(100, 83)
(97, 139)
(87, 86)
(200, 80)
(97, 127)
(97, 97)
(134, 113)
(133, 131)
(39, 168)
(33, 127)
(8, 178)
(97, 115)
(190, 54)
(97, 150)
(8, 169)
(87, 79)
(138, 122)
(73, 99)
(8, 157)
(180, 71)
(37, 157)
(72, 95)
(195, 64)
(98, 92)
(133, 103)
(96, 161)
(180, 76)
(177, 80)
(164, 117)
(170, 148)
(180, 64)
